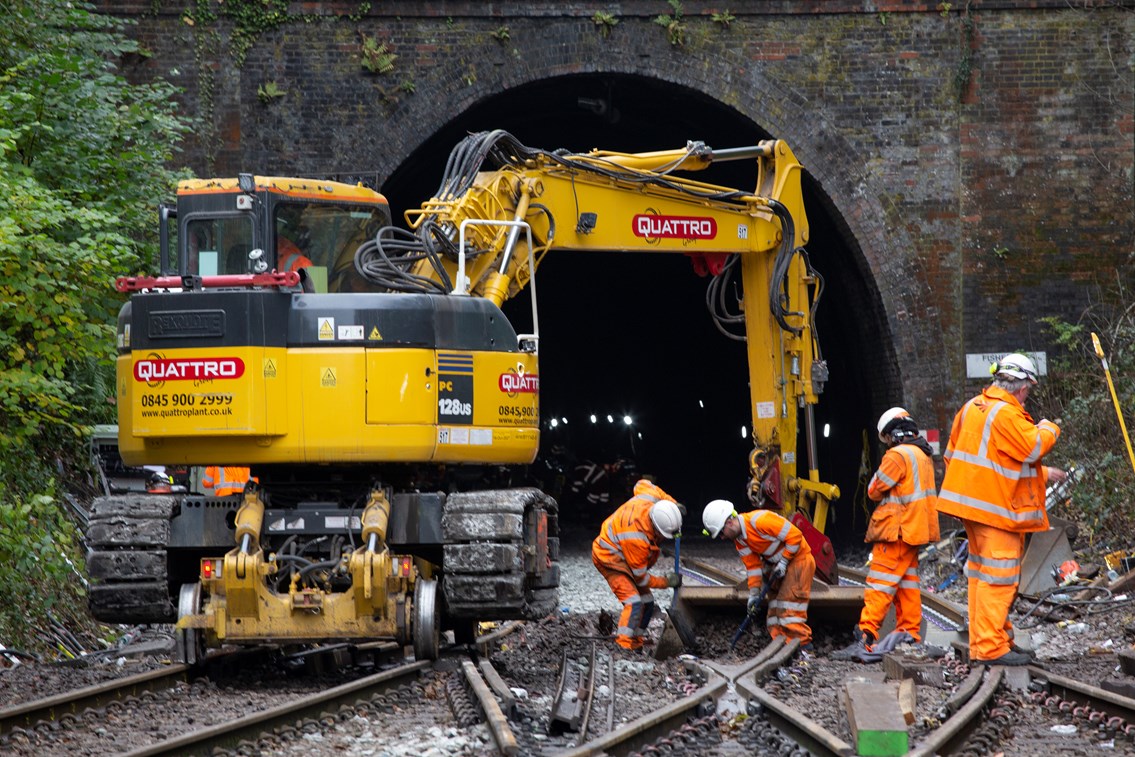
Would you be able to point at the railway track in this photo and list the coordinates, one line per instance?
(718, 704)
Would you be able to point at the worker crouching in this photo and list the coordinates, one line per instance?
(626, 549)
(775, 554)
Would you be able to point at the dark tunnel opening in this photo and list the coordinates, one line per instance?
(628, 334)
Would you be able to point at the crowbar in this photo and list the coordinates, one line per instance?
(748, 621)
(1114, 398)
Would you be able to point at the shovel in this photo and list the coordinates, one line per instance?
(678, 633)
(748, 621)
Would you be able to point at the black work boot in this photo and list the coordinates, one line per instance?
(862, 641)
(1009, 658)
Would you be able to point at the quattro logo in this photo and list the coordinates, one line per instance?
(186, 369)
(516, 383)
(674, 227)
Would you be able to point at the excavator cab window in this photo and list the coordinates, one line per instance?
(322, 237)
(217, 245)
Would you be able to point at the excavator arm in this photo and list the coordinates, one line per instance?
(613, 201)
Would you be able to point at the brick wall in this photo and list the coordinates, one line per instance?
(968, 216)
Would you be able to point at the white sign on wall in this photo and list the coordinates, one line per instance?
(977, 364)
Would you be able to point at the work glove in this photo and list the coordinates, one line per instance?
(778, 570)
(754, 605)
(673, 580)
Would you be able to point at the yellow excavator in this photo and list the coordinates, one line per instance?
(368, 378)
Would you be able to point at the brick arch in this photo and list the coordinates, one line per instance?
(904, 368)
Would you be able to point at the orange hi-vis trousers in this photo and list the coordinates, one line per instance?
(893, 578)
(788, 610)
(638, 606)
(994, 574)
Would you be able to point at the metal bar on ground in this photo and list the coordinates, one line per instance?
(499, 687)
(498, 724)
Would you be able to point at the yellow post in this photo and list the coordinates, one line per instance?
(1114, 398)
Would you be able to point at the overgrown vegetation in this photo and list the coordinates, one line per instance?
(673, 24)
(376, 57)
(605, 21)
(1076, 393)
(83, 158)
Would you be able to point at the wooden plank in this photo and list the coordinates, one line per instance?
(921, 669)
(907, 703)
(876, 718)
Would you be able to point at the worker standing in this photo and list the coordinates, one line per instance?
(626, 549)
(995, 483)
(225, 479)
(773, 551)
(905, 519)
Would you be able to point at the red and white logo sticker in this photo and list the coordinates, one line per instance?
(187, 369)
(674, 227)
(514, 383)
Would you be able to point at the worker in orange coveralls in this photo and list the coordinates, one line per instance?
(626, 549)
(995, 483)
(773, 550)
(906, 518)
(225, 480)
(289, 256)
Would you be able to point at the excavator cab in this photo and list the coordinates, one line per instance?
(255, 224)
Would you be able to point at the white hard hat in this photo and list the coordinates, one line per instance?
(715, 514)
(1017, 366)
(666, 517)
(887, 419)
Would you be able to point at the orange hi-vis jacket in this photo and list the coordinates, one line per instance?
(993, 470)
(904, 487)
(225, 480)
(764, 538)
(627, 540)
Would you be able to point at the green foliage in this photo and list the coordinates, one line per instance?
(83, 156)
(82, 165)
(964, 72)
(605, 21)
(408, 86)
(250, 19)
(1076, 392)
(376, 58)
(269, 91)
(675, 28)
(944, 9)
(501, 35)
(1001, 253)
(40, 564)
(724, 18)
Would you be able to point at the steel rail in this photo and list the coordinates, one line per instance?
(498, 724)
(590, 689)
(1113, 704)
(795, 724)
(229, 735)
(709, 574)
(949, 736)
(50, 709)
